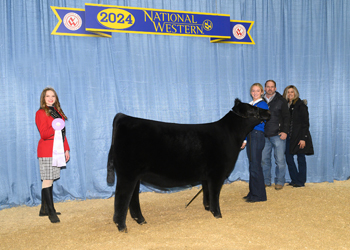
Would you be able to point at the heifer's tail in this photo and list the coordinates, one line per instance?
(110, 164)
(110, 169)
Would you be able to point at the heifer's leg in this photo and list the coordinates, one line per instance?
(123, 193)
(206, 201)
(214, 194)
(135, 209)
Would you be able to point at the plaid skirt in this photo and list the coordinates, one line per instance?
(47, 171)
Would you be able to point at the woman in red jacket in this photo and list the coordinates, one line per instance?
(50, 109)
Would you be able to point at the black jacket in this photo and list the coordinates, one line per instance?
(299, 128)
(279, 121)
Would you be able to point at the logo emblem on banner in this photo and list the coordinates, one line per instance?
(100, 20)
(72, 21)
(239, 31)
(207, 25)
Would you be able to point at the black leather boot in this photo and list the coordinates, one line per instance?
(47, 195)
(43, 209)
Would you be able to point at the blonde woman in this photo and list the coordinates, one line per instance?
(299, 140)
(255, 144)
(50, 109)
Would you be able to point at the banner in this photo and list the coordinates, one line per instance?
(155, 21)
(239, 33)
(101, 20)
(71, 22)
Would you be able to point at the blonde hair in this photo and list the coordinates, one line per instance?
(258, 85)
(57, 104)
(296, 93)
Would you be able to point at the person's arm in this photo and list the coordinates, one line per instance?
(46, 131)
(284, 129)
(66, 145)
(66, 148)
(304, 119)
(244, 143)
(66, 154)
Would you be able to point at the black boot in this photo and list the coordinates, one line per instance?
(47, 195)
(43, 209)
(51, 193)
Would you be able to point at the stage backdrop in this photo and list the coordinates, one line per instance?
(166, 78)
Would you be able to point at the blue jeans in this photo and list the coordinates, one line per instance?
(279, 147)
(298, 176)
(256, 143)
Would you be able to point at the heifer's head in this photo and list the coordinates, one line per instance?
(254, 114)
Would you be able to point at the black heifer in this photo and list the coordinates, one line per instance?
(173, 155)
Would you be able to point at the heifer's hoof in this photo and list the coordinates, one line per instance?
(122, 229)
(217, 215)
(140, 221)
(47, 214)
(206, 208)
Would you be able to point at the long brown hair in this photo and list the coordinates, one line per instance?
(57, 104)
(296, 93)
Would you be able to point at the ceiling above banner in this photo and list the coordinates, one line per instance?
(99, 20)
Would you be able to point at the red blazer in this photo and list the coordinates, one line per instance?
(45, 145)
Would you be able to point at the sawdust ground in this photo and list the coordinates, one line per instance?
(314, 217)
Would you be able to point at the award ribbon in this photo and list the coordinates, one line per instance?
(58, 158)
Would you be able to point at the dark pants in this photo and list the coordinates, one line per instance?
(298, 176)
(255, 146)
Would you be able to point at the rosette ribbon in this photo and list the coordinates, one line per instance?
(58, 158)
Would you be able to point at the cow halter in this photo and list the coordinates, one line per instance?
(238, 114)
(257, 115)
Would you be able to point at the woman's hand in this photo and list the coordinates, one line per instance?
(243, 145)
(301, 144)
(66, 154)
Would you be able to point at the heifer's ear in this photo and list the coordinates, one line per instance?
(237, 107)
(237, 101)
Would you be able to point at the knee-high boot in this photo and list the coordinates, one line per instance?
(47, 194)
(43, 209)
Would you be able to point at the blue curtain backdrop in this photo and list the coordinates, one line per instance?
(166, 78)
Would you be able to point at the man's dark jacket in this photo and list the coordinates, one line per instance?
(279, 121)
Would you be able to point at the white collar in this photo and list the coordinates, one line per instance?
(253, 103)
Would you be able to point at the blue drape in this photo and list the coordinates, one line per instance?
(167, 78)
